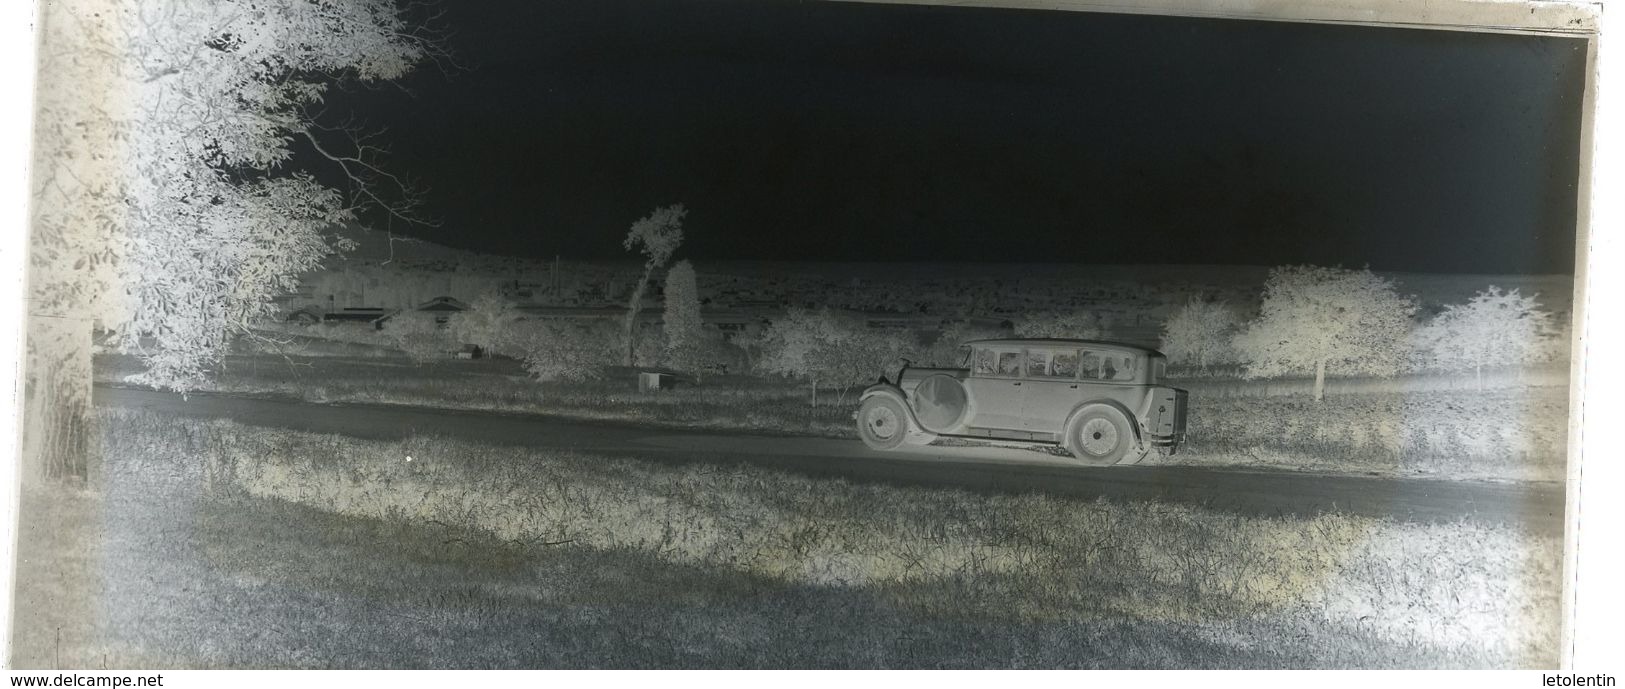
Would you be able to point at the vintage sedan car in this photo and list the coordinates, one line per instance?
(1101, 401)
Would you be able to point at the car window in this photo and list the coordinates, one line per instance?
(1037, 363)
(1042, 363)
(1120, 367)
(1065, 364)
(1009, 363)
(1089, 365)
(984, 362)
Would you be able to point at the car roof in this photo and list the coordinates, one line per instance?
(1063, 342)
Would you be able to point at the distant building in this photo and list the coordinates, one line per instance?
(438, 309)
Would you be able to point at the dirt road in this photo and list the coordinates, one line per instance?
(983, 469)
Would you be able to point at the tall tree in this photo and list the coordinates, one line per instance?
(1494, 328)
(165, 209)
(1315, 319)
(658, 237)
(685, 330)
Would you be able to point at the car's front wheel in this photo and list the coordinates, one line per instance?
(882, 423)
(1102, 436)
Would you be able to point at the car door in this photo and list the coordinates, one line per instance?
(1050, 392)
(996, 389)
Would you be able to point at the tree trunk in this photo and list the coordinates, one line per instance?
(632, 311)
(1320, 380)
(58, 423)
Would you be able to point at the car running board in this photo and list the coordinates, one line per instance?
(1005, 434)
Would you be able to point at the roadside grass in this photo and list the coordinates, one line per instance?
(1227, 382)
(1513, 433)
(1499, 434)
(216, 587)
(746, 567)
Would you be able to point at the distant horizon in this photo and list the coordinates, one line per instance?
(632, 259)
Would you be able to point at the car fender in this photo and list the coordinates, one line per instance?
(1133, 420)
(894, 392)
(889, 390)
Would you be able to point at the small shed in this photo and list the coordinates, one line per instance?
(650, 381)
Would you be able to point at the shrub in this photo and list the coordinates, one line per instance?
(828, 349)
(567, 350)
(488, 323)
(1200, 333)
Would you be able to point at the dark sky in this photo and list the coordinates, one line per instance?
(833, 131)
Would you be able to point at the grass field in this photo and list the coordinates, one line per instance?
(1509, 434)
(228, 546)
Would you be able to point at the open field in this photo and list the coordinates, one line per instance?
(479, 556)
(743, 403)
(1506, 433)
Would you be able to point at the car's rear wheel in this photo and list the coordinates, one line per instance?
(882, 423)
(1102, 436)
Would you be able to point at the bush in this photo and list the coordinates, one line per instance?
(566, 350)
(830, 350)
(1199, 334)
(489, 324)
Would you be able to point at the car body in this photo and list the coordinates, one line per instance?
(1102, 401)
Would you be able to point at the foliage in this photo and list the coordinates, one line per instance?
(165, 204)
(828, 349)
(1494, 328)
(1200, 333)
(1081, 324)
(657, 235)
(1318, 319)
(565, 349)
(420, 337)
(488, 323)
(945, 350)
(748, 344)
(685, 330)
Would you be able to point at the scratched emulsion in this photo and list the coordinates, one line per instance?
(570, 334)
